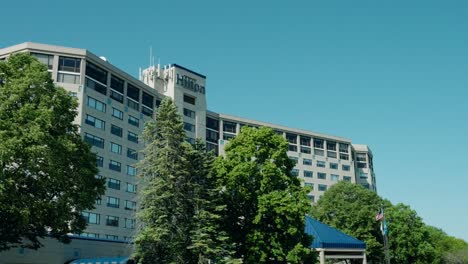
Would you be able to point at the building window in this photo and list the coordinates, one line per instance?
(189, 127)
(346, 178)
(305, 141)
(117, 113)
(99, 161)
(112, 237)
(68, 78)
(189, 99)
(227, 136)
(132, 137)
(322, 187)
(229, 127)
(115, 166)
(346, 167)
(94, 140)
(344, 156)
(344, 147)
(116, 130)
(331, 145)
(334, 177)
(133, 104)
(129, 223)
(212, 136)
(362, 165)
(113, 184)
(113, 202)
(331, 154)
(363, 175)
(291, 138)
(133, 121)
(212, 147)
(307, 162)
(48, 60)
(131, 188)
(148, 100)
(112, 220)
(115, 148)
(96, 73)
(295, 159)
(130, 205)
(305, 150)
(131, 171)
(91, 218)
(132, 154)
(361, 157)
(310, 185)
(308, 174)
(295, 172)
(311, 197)
(96, 104)
(334, 166)
(321, 175)
(68, 64)
(189, 113)
(318, 143)
(89, 235)
(319, 152)
(212, 123)
(98, 87)
(320, 164)
(95, 122)
(292, 148)
(133, 93)
(117, 89)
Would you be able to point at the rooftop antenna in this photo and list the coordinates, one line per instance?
(159, 67)
(151, 55)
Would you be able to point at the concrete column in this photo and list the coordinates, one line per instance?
(364, 259)
(322, 257)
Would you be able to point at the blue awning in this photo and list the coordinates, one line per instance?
(101, 261)
(328, 237)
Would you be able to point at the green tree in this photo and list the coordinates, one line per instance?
(178, 222)
(351, 208)
(208, 242)
(447, 248)
(47, 175)
(409, 238)
(266, 205)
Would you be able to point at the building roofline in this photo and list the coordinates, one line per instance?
(84, 53)
(362, 147)
(188, 70)
(280, 127)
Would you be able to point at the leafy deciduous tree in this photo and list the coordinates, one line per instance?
(351, 208)
(266, 205)
(47, 172)
(409, 240)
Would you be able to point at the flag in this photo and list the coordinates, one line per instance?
(383, 227)
(379, 215)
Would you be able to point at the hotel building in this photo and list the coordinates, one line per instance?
(113, 107)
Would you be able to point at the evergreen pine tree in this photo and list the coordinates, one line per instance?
(162, 236)
(207, 241)
(178, 217)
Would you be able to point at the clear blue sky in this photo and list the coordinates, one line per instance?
(390, 74)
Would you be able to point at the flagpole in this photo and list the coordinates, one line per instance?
(385, 238)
